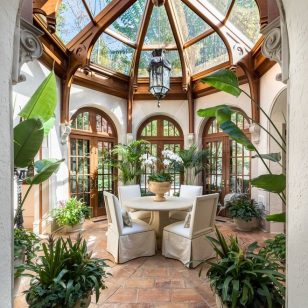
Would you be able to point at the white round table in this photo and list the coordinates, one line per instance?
(160, 210)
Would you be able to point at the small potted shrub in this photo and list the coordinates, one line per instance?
(242, 278)
(276, 248)
(26, 244)
(65, 275)
(159, 184)
(72, 214)
(246, 213)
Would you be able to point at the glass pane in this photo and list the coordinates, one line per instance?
(191, 25)
(80, 147)
(72, 17)
(73, 147)
(112, 54)
(73, 185)
(171, 55)
(221, 6)
(128, 23)
(159, 31)
(96, 6)
(86, 121)
(245, 16)
(207, 53)
(79, 121)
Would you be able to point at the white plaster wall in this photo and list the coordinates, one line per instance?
(175, 109)
(114, 106)
(8, 15)
(297, 225)
(220, 98)
(35, 73)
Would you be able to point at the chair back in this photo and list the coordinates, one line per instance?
(190, 191)
(107, 209)
(203, 214)
(114, 212)
(128, 192)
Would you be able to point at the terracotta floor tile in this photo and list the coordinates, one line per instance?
(139, 283)
(169, 283)
(154, 295)
(155, 272)
(186, 296)
(123, 296)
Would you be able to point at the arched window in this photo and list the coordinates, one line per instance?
(163, 133)
(228, 168)
(93, 133)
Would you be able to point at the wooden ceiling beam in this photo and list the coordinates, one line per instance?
(179, 42)
(48, 8)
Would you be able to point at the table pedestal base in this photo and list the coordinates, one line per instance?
(159, 220)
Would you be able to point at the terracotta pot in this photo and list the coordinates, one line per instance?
(219, 303)
(18, 262)
(243, 225)
(159, 189)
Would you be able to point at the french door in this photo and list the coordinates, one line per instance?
(90, 174)
(228, 165)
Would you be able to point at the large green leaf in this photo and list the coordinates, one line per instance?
(48, 125)
(44, 169)
(275, 183)
(28, 137)
(223, 115)
(275, 157)
(224, 80)
(210, 112)
(281, 217)
(236, 134)
(43, 102)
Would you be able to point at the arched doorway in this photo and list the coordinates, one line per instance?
(93, 133)
(163, 133)
(228, 166)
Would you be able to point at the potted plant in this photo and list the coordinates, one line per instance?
(160, 182)
(26, 244)
(246, 213)
(244, 278)
(72, 214)
(276, 248)
(65, 275)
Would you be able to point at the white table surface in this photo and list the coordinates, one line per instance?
(148, 204)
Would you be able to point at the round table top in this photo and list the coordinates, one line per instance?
(148, 204)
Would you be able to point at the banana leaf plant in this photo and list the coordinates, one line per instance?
(226, 81)
(37, 118)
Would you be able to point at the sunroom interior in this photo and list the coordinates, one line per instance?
(99, 57)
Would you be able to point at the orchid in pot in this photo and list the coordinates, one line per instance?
(160, 181)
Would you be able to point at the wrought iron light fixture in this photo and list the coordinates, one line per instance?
(159, 74)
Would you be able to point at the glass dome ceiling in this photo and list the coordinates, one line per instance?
(197, 30)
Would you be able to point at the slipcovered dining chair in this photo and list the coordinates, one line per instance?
(123, 242)
(185, 240)
(186, 191)
(130, 192)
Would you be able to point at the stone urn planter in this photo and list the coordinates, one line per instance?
(243, 225)
(159, 189)
(219, 303)
(75, 228)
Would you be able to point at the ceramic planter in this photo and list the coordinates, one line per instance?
(243, 225)
(159, 189)
(75, 228)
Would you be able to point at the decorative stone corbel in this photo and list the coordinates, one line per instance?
(129, 138)
(275, 46)
(65, 132)
(190, 139)
(27, 48)
(254, 129)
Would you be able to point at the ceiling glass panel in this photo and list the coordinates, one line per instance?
(112, 54)
(222, 6)
(245, 16)
(159, 30)
(96, 6)
(191, 25)
(72, 17)
(207, 53)
(128, 23)
(171, 55)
